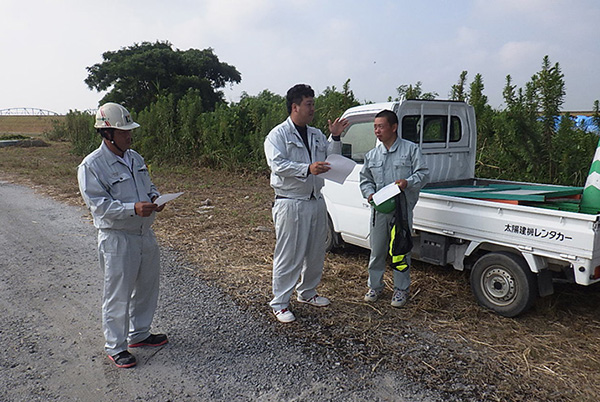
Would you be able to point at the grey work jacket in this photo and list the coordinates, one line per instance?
(110, 189)
(403, 160)
(289, 160)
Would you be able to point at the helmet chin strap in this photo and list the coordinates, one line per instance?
(111, 138)
(116, 146)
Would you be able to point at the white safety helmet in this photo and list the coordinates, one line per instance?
(113, 115)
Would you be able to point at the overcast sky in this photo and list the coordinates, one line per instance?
(45, 46)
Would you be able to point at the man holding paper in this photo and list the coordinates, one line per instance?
(115, 185)
(393, 160)
(296, 154)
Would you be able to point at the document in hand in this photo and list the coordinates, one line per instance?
(340, 166)
(386, 193)
(163, 199)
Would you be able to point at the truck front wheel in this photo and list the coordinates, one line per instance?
(332, 239)
(503, 282)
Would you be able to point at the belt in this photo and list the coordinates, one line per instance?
(281, 197)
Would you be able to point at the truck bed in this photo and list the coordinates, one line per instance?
(536, 231)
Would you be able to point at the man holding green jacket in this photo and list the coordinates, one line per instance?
(393, 160)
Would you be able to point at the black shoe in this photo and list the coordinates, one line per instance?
(123, 359)
(152, 340)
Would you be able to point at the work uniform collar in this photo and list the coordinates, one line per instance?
(111, 156)
(393, 148)
(309, 130)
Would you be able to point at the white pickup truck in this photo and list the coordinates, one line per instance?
(516, 238)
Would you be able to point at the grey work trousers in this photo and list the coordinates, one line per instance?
(131, 265)
(300, 230)
(380, 248)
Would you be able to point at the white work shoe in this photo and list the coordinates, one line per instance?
(399, 298)
(372, 295)
(284, 315)
(316, 300)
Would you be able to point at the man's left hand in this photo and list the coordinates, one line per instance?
(337, 126)
(402, 183)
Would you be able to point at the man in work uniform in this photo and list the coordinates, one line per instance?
(393, 160)
(115, 185)
(296, 154)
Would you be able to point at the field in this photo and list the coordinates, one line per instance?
(26, 125)
(441, 338)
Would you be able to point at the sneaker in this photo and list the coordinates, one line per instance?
(316, 300)
(372, 295)
(284, 315)
(399, 298)
(123, 359)
(152, 340)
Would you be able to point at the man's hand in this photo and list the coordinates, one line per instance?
(160, 208)
(319, 167)
(402, 183)
(337, 126)
(145, 208)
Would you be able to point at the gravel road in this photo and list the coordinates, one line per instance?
(50, 288)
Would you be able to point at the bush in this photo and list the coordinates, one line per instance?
(78, 128)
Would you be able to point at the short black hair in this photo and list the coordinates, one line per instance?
(390, 116)
(296, 93)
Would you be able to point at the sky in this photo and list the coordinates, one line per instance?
(45, 46)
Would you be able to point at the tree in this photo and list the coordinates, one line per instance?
(596, 115)
(137, 75)
(458, 92)
(414, 92)
(331, 104)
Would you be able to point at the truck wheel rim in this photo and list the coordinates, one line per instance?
(499, 286)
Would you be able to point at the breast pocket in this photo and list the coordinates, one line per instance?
(320, 151)
(376, 168)
(144, 178)
(296, 151)
(402, 169)
(121, 187)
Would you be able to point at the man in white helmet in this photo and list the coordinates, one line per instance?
(115, 185)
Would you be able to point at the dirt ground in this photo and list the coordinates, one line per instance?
(441, 338)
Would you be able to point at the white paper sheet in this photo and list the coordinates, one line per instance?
(166, 198)
(341, 167)
(386, 193)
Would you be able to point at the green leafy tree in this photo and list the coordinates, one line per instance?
(137, 75)
(549, 89)
(458, 92)
(596, 115)
(414, 92)
(331, 104)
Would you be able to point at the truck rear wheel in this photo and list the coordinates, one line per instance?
(503, 282)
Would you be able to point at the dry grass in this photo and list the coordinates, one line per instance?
(441, 338)
(28, 125)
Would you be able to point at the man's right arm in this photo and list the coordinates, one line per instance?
(367, 182)
(98, 199)
(278, 158)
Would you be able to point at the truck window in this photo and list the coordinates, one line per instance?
(434, 129)
(358, 140)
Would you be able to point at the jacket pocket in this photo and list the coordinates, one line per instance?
(376, 168)
(296, 151)
(121, 187)
(402, 169)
